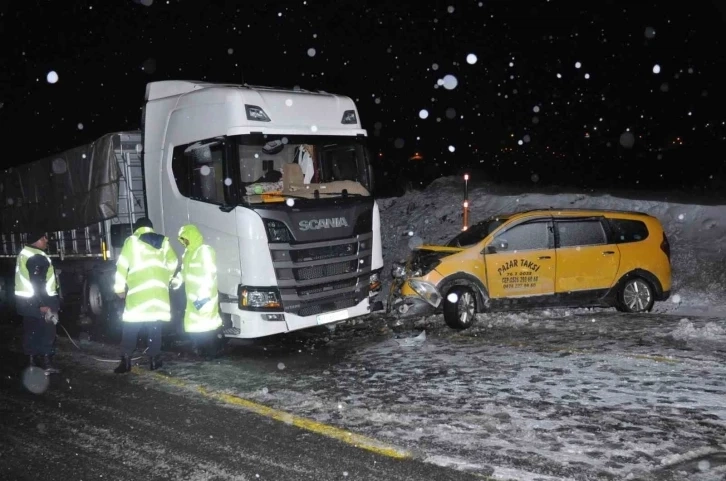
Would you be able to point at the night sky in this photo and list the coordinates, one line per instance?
(579, 93)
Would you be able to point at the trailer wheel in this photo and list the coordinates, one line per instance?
(94, 304)
(99, 310)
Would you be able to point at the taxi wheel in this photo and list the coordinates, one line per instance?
(460, 307)
(636, 295)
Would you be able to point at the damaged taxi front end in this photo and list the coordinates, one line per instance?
(413, 291)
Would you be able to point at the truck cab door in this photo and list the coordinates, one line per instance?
(210, 205)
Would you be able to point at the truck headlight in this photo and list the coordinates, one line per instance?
(259, 298)
(398, 270)
(426, 291)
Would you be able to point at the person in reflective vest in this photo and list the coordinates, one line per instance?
(198, 274)
(144, 269)
(36, 299)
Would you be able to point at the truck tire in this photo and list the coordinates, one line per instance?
(104, 322)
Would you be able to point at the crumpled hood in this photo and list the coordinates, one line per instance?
(192, 234)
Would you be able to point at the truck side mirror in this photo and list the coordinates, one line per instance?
(490, 249)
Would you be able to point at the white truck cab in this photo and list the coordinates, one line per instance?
(280, 184)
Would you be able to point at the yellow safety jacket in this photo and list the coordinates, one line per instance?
(199, 276)
(35, 282)
(146, 266)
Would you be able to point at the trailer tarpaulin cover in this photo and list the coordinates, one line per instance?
(65, 191)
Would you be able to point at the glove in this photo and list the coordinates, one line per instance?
(199, 303)
(51, 316)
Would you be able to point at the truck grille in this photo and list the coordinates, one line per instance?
(320, 277)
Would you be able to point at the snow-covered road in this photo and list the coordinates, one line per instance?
(554, 394)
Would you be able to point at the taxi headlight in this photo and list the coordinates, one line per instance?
(426, 291)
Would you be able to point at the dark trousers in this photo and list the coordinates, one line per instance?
(38, 336)
(130, 335)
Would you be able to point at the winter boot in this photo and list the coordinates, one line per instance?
(124, 366)
(47, 365)
(155, 362)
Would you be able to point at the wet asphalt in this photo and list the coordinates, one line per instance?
(91, 424)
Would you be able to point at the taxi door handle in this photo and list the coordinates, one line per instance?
(545, 257)
(608, 253)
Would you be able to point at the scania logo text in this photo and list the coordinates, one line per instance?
(330, 223)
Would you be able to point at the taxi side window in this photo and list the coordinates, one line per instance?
(581, 233)
(625, 230)
(530, 236)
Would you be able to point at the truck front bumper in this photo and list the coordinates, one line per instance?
(251, 325)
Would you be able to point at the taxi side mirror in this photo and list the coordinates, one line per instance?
(495, 246)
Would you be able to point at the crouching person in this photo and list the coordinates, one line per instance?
(199, 275)
(144, 269)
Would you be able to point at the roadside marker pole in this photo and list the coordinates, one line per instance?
(466, 202)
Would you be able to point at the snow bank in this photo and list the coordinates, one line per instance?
(697, 233)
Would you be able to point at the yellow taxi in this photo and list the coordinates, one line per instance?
(538, 258)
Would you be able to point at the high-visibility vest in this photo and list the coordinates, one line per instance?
(199, 275)
(23, 287)
(146, 265)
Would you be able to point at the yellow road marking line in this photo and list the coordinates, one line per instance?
(356, 440)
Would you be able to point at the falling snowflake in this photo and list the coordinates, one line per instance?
(627, 140)
(80, 126)
(205, 170)
(471, 59)
(452, 148)
(450, 82)
(311, 52)
(423, 113)
(656, 68)
(52, 77)
(578, 65)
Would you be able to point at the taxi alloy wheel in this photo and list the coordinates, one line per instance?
(461, 313)
(636, 296)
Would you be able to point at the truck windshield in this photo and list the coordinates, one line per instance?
(299, 165)
(476, 233)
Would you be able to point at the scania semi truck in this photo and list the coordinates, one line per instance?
(278, 180)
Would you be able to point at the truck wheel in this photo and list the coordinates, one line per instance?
(460, 307)
(94, 304)
(99, 310)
